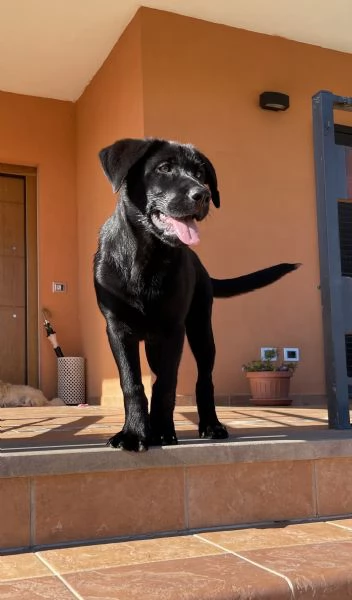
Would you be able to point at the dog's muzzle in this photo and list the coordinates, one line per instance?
(184, 228)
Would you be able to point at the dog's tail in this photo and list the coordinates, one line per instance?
(225, 288)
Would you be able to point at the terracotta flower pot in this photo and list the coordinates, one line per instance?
(269, 388)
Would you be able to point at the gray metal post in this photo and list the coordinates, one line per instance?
(330, 175)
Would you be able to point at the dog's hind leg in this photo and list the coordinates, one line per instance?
(164, 357)
(200, 337)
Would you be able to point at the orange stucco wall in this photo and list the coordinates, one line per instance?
(201, 85)
(110, 108)
(41, 133)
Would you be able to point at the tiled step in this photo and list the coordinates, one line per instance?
(73, 495)
(60, 484)
(303, 561)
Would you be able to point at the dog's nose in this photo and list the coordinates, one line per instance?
(199, 194)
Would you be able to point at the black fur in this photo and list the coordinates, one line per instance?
(151, 286)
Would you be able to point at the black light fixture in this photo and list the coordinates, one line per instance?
(274, 101)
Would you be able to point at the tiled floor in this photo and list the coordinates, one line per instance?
(304, 561)
(293, 561)
(93, 425)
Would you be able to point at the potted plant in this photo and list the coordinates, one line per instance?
(269, 380)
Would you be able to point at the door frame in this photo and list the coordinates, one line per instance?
(32, 342)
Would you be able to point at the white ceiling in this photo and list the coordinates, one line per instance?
(53, 48)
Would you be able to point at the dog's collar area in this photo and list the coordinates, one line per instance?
(184, 228)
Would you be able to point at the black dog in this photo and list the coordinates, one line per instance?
(150, 286)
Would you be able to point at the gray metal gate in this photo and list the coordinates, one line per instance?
(333, 169)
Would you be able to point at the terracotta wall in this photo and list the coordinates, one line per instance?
(201, 85)
(110, 108)
(41, 133)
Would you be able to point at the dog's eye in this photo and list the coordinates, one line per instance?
(164, 168)
(199, 174)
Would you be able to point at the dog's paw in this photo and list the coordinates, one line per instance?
(163, 434)
(213, 432)
(131, 442)
(163, 440)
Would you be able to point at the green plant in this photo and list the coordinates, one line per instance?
(271, 363)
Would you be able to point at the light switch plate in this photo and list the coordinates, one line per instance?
(291, 354)
(59, 287)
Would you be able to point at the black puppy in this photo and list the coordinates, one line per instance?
(150, 286)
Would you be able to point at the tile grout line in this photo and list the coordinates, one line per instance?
(252, 562)
(59, 576)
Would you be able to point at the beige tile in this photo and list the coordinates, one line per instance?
(102, 505)
(209, 578)
(21, 566)
(345, 523)
(14, 513)
(254, 538)
(249, 493)
(41, 588)
(334, 486)
(127, 553)
(321, 571)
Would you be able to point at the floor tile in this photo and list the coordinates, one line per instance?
(346, 523)
(209, 578)
(41, 588)
(271, 537)
(21, 566)
(321, 571)
(127, 553)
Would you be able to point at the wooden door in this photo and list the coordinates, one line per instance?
(13, 366)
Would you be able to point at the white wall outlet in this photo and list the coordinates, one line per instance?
(263, 353)
(291, 354)
(59, 287)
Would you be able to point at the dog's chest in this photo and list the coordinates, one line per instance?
(161, 297)
(157, 292)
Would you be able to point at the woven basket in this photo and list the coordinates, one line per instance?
(71, 379)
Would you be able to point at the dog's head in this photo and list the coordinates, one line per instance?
(170, 184)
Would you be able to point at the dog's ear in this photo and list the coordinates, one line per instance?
(211, 180)
(118, 158)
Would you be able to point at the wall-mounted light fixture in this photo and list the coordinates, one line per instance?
(274, 101)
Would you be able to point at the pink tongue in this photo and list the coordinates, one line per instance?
(186, 230)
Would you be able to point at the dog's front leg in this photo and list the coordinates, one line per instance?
(164, 357)
(135, 432)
